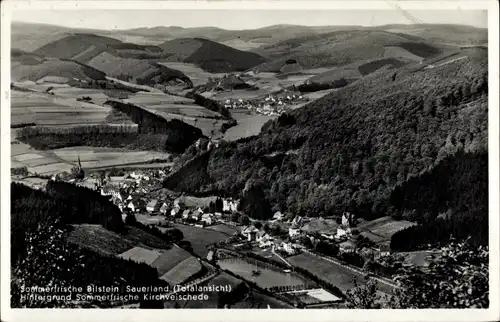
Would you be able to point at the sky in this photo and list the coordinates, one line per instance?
(248, 19)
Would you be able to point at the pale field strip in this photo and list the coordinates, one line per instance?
(141, 255)
(182, 271)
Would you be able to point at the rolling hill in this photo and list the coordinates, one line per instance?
(344, 47)
(33, 67)
(110, 56)
(211, 56)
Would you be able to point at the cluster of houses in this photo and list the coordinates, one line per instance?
(265, 240)
(337, 233)
(270, 105)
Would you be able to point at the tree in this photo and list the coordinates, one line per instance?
(235, 217)
(363, 297)
(257, 224)
(244, 220)
(456, 278)
(130, 219)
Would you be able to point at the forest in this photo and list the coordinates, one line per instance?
(152, 132)
(450, 200)
(355, 145)
(40, 253)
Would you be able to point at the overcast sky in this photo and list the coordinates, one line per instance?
(246, 19)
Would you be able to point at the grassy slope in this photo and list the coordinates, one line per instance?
(341, 48)
(104, 241)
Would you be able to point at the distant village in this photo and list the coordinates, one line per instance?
(271, 105)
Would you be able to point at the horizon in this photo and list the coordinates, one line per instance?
(247, 20)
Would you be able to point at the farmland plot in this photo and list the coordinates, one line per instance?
(92, 157)
(197, 75)
(47, 110)
(248, 125)
(200, 238)
(182, 271)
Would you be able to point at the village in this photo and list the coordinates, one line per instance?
(271, 105)
(139, 193)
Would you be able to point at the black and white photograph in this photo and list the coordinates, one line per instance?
(225, 158)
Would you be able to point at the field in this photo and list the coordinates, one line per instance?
(92, 157)
(43, 109)
(381, 229)
(224, 228)
(200, 238)
(169, 259)
(182, 271)
(104, 241)
(248, 125)
(195, 202)
(335, 274)
(98, 97)
(59, 160)
(197, 75)
(141, 255)
(270, 276)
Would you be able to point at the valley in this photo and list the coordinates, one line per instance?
(290, 166)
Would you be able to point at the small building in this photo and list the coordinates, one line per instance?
(250, 233)
(131, 205)
(229, 205)
(164, 208)
(196, 215)
(207, 218)
(152, 206)
(186, 213)
(347, 247)
(343, 232)
(348, 219)
(266, 241)
(297, 220)
(175, 212)
(278, 215)
(293, 231)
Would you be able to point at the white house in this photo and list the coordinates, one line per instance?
(175, 211)
(250, 233)
(164, 208)
(185, 214)
(347, 219)
(343, 232)
(196, 215)
(293, 231)
(129, 197)
(278, 215)
(207, 218)
(265, 241)
(152, 206)
(132, 206)
(229, 205)
(288, 248)
(347, 247)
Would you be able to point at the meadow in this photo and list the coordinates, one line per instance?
(43, 109)
(104, 157)
(197, 75)
(200, 238)
(248, 125)
(182, 271)
(330, 272)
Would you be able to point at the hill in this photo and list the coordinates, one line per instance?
(344, 47)
(126, 61)
(211, 56)
(29, 66)
(356, 144)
